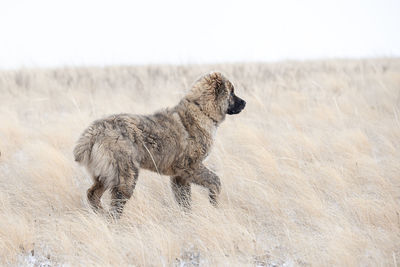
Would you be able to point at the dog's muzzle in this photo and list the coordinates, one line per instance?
(237, 107)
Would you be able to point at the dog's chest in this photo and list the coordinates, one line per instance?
(199, 147)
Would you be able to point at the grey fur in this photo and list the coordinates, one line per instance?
(173, 142)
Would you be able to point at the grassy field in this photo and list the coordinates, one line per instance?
(310, 170)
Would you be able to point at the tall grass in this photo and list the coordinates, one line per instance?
(310, 169)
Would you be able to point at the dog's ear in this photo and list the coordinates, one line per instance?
(217, 82)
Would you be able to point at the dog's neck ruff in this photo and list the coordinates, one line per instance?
(190, 118)
(202, 111)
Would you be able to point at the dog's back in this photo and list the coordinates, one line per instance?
(153, 142)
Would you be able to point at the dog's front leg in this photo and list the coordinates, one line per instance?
(182, 191)
(206, 178)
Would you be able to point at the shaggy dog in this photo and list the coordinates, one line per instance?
(172, 142)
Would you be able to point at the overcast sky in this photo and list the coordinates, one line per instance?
(45, 33)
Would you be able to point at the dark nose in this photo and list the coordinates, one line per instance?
(243, 103)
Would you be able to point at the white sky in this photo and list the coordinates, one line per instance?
(44, 33)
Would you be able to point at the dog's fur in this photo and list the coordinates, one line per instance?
(172, 142)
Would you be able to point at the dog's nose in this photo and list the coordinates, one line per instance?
(243, 103)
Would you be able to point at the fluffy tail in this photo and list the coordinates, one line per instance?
(84, 145)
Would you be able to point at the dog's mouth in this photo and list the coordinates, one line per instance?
(237, 106)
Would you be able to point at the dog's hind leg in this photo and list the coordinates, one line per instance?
(182, 191)
(94, 194)
(121, 193)
(206, 178)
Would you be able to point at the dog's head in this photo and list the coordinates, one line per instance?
(215, 96)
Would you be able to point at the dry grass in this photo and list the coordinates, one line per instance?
(310, 169)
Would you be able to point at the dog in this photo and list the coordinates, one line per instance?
(172, 142)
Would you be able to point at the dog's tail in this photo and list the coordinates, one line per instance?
(84, 145)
